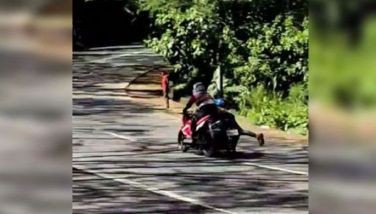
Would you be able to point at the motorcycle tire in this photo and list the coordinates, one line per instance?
(209, 151)
(182, 147)
(208, 148)
(231, 151)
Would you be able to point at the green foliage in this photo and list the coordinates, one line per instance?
(254, 43)
(271, 109)
(278, 55)
(344, 73)
(187, 41)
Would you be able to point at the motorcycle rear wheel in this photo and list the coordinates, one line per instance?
(209, 152)
(208, 147)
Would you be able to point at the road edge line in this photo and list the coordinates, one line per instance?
(275, 168)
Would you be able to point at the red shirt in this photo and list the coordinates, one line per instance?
(164, 82)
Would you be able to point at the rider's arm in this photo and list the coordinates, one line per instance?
(189, 104)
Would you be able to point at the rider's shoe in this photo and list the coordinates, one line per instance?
(260, 139)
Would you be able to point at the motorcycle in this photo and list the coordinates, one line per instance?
(214, 134)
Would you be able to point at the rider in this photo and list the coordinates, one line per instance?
(204, 102)
(206, 106)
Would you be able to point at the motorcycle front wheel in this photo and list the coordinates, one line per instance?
(182, 147)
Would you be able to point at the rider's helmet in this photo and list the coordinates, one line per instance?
(198, 89)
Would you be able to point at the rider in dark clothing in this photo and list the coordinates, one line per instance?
(204, 102)
(206, 106)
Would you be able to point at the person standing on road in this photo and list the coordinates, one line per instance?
(165, 87)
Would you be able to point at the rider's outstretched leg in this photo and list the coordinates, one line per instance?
(259, 137)
(247, 132)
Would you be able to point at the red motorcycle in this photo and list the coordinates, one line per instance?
(214, 133)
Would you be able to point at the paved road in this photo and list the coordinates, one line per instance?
(125, 157)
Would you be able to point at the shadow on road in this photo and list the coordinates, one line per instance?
(242, 155)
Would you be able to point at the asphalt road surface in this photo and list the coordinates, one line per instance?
(125, 156)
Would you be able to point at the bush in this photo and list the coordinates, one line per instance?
(264, 108)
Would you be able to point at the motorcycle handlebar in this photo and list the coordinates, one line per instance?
(188, 113)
